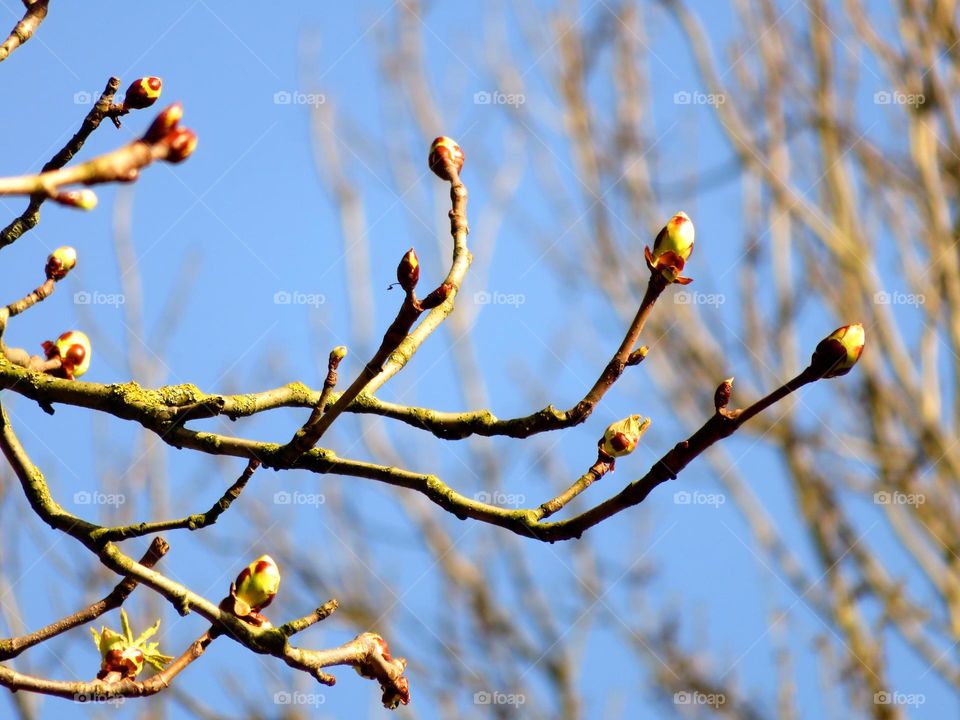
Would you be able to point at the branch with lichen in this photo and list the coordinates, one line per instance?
(254, 590)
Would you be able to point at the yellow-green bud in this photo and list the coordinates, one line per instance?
(621, 437)
(257, 584)
(837, 353)
(60, 262)
(671, 248)
(73, 349)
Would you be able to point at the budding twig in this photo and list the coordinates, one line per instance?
(31, 216)
(163, 141)
(190, 522)
(397, 333)
(12, 647)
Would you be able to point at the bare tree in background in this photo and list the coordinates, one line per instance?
(838, 224)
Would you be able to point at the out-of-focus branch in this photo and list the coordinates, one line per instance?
(24, 30)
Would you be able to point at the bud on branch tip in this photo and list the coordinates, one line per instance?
(445, 155)
(621, 437)
(672, 248)
(142, 93)
(254, 589)
(837, 353)
(408, 271)
(85, 199)
(60, 262)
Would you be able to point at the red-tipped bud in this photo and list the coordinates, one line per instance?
(408, 271)
(182, 142)
(84, 199)
(837, 353)
(672, 248)
(436, 297)
(60, 262)
(445, 155)
(163, 124)
(257, 585)
(142, 93)
(621, 437)
(73, 349)
(721, 398)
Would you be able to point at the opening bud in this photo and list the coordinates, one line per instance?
(142, 93)
(837, 353)
(621, 437)
(444, 154)
(60, 262)
(672, 248)
(73, 349)
(122, 656)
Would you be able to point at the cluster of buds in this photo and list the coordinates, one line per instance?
(253, 590)
(60, 262)
(837, 353)
(446, 158)
(122, 656)
(165, 130)
(621, 437)
(672, 248)
(73, 350)
(142, 93)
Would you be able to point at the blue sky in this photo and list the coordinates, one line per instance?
(249, 214)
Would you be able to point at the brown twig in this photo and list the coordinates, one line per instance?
(24, 30)
(31, 216)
